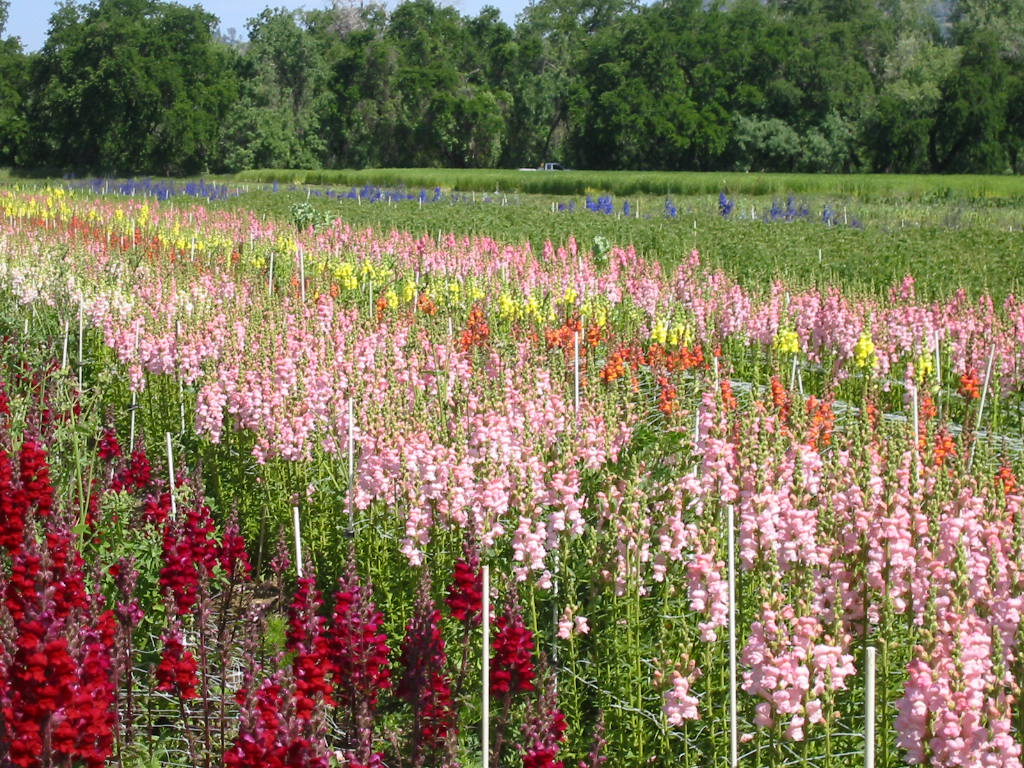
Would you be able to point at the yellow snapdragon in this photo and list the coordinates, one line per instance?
(864, 351)
(659, 333)
(507, 309)
(787, 342)
(531, 309)
(924, 368)
(345, 274)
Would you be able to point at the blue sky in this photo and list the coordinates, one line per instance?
(29, 19)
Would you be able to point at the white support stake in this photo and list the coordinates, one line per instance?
(81, 361)
(131, 431)
(298, 541)
(733, 720)
(351, 464)
(576, 373)
(64, 352)
(981, 405)
(869, 707)
(485, 693)
(170, 473)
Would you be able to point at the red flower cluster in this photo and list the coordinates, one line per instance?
(466, 597)
(512, 662)
(729, 402)
(969, 385)
(90, 717)
(267, 736)
(477, 331)
(615, 368)
(686, 358)
(426, 305)
(65, 574)
(57, 688)
(823, 419)
(668, 402)
(12, 506)
(944, 448)
(424, 684)
(109, 448)
(358, 648)
(35, 477)
(177, 670)
(233, 556)
(564, 336)
(1006, 478)
(544, 730)
(307, 639)
(189, 553)
(780, 398)
(42, 678)
(135, 475)
(156, 508)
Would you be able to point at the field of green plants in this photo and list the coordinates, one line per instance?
(402, 475)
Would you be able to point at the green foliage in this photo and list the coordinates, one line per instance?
(13, 76)
(832, 86)
(276, 121)
(947, 231)
(128, 85)
(864, 187)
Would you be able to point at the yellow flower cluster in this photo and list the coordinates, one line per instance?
(787, 342)
(659, 333)
(864, 351)
(924, 368)
(345, 274)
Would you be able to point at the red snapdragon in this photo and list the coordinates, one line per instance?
(177, 670)
(512, 659)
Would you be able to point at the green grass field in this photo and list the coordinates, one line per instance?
(866, 187)
(946, 243)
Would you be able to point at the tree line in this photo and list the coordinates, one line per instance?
(146, 86)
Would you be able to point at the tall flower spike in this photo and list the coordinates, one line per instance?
(512, 659)
(545, 726)
(424, 684)
(176, 672)
(358, 647)
(465, 597)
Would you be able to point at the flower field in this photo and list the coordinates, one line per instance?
(252, 475)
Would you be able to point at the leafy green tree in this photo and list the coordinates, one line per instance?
(555, 36)
(276, 122)
(898, 132)
(970, 127)
(1015, 121)
(13, 77)
(642, 112)
(128, 86)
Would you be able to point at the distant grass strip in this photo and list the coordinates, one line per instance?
(865, 187)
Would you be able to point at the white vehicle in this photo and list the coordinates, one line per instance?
(548, 167)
